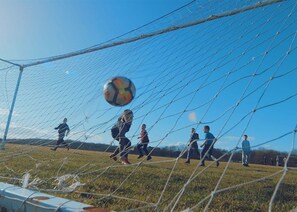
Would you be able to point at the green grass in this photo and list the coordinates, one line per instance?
(147, 181)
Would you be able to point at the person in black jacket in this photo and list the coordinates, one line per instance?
(118, 132)
(144, 142)
(192, 146)
(63, 130)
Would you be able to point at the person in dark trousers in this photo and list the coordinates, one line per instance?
(115, 135)
(63, 130)
(118, 132)
(192, 146)
(144, 142)
(208, 145)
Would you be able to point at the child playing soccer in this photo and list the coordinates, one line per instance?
(63, 130)
(118, 132)
(193, 146)
(144, 142)
(208, 145)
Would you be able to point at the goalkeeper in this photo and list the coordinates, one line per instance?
(118, 132)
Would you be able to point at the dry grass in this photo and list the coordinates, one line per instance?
(146, 182)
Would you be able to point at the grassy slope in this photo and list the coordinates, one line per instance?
(147, 181)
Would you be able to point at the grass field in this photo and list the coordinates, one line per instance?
(142, 184)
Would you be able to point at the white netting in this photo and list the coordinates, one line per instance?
(235, 73)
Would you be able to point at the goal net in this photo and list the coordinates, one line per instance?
(227, 64)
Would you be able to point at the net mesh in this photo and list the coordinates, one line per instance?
(232, 73)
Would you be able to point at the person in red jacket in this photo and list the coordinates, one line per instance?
(144, 142)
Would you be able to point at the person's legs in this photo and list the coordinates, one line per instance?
(124, 149)
(139, 150)
(115, 133)
(149, 157)
(244, 159)
(63, 143)
(115, 136)
(212, 157)
(203, 156)
(248, 158)
(189, 154)
(197, 150)
(145, 149)
(115, 153)
(59, 141)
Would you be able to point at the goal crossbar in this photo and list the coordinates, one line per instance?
(159, 32)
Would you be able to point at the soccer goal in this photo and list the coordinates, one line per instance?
(230, 65)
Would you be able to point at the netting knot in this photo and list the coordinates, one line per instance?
(212, 193)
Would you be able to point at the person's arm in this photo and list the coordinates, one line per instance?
(203, 144)
(205, 140)
(67, 131)
(140, 136)
(56, 128)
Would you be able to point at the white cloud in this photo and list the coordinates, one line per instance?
(5, 112)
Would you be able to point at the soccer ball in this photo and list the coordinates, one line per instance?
(119, 91)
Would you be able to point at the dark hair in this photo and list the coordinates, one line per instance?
(245, 136)
(128, 112)
(207, 127)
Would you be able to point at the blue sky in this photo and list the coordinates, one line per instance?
(39, 28)
(176, 74)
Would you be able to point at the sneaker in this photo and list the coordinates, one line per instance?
(187, 161)
(140, 156)
(218, 163)
(125, 161)
(149, 157)
(113, 157)
(53, 149)
(202, 164)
